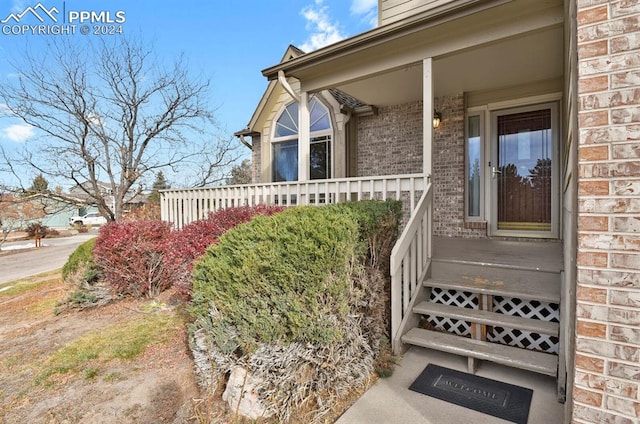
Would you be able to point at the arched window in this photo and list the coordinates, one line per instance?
(285, 143)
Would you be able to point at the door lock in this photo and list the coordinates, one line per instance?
(495, 171)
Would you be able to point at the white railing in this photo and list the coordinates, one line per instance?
(410, 260)
(183, 206)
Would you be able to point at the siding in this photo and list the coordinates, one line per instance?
(395, 10)
(607, 370)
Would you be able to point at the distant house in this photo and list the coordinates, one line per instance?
(50, 209)
(510, 130)
(132, 200)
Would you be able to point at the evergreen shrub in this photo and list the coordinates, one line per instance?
(298, 300)
(81, 260)
(282, 278)
(192, 241)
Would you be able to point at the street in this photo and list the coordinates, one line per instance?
(21, 263)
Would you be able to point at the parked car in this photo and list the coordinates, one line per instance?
(93, 218)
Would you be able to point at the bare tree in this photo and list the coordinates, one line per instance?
(111, 113)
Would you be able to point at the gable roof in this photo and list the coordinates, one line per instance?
(290, 53)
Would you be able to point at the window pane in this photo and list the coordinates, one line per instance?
(473, 166)
(285, 161)
(319, 119)
(287, 123)
(320, 159)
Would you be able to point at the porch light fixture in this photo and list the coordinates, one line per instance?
(437, 118)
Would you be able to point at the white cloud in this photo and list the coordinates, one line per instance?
(323, 30)
(367, 10)
(18, 133)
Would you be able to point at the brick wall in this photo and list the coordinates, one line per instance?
(448, 170)
(391, 143)
(256, 160)
(607, 359)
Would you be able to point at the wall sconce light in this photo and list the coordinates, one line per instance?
(437, 118)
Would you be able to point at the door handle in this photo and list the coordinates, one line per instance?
(495, 171)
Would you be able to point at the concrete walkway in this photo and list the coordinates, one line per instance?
(391, 401)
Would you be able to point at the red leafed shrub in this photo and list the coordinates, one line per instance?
(131, 256)
(192, 241)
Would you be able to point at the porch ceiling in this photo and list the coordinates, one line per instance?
(536, 56)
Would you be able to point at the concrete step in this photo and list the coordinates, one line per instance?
(499, 285)
(488, 318)
(539, 362)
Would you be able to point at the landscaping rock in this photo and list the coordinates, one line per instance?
(241, 396)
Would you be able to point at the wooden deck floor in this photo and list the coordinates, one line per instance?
(534, 255)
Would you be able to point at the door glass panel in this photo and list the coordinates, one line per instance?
(524, 171)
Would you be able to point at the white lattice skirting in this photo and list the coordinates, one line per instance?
(504, 305)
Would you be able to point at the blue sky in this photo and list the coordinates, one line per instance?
(228, 42)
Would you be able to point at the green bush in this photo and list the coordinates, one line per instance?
(81, 259)
(282, 278)
(378, 227)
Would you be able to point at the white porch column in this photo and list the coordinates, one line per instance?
(427, 115)
(304, 136)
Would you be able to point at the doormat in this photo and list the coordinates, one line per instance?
(481, 394)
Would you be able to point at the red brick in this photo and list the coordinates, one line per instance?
(591, 329)
(586, 396)
(594, 119)
(593, 223)
(596, 48)
(593, 84)
(589, 364)
(592, 259)
(594, 153)
(589, 294)
(593, 188)
(597, 14)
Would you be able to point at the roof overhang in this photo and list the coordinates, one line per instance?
(475, 46)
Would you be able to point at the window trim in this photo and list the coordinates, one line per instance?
(328, 132)
(472, 112)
